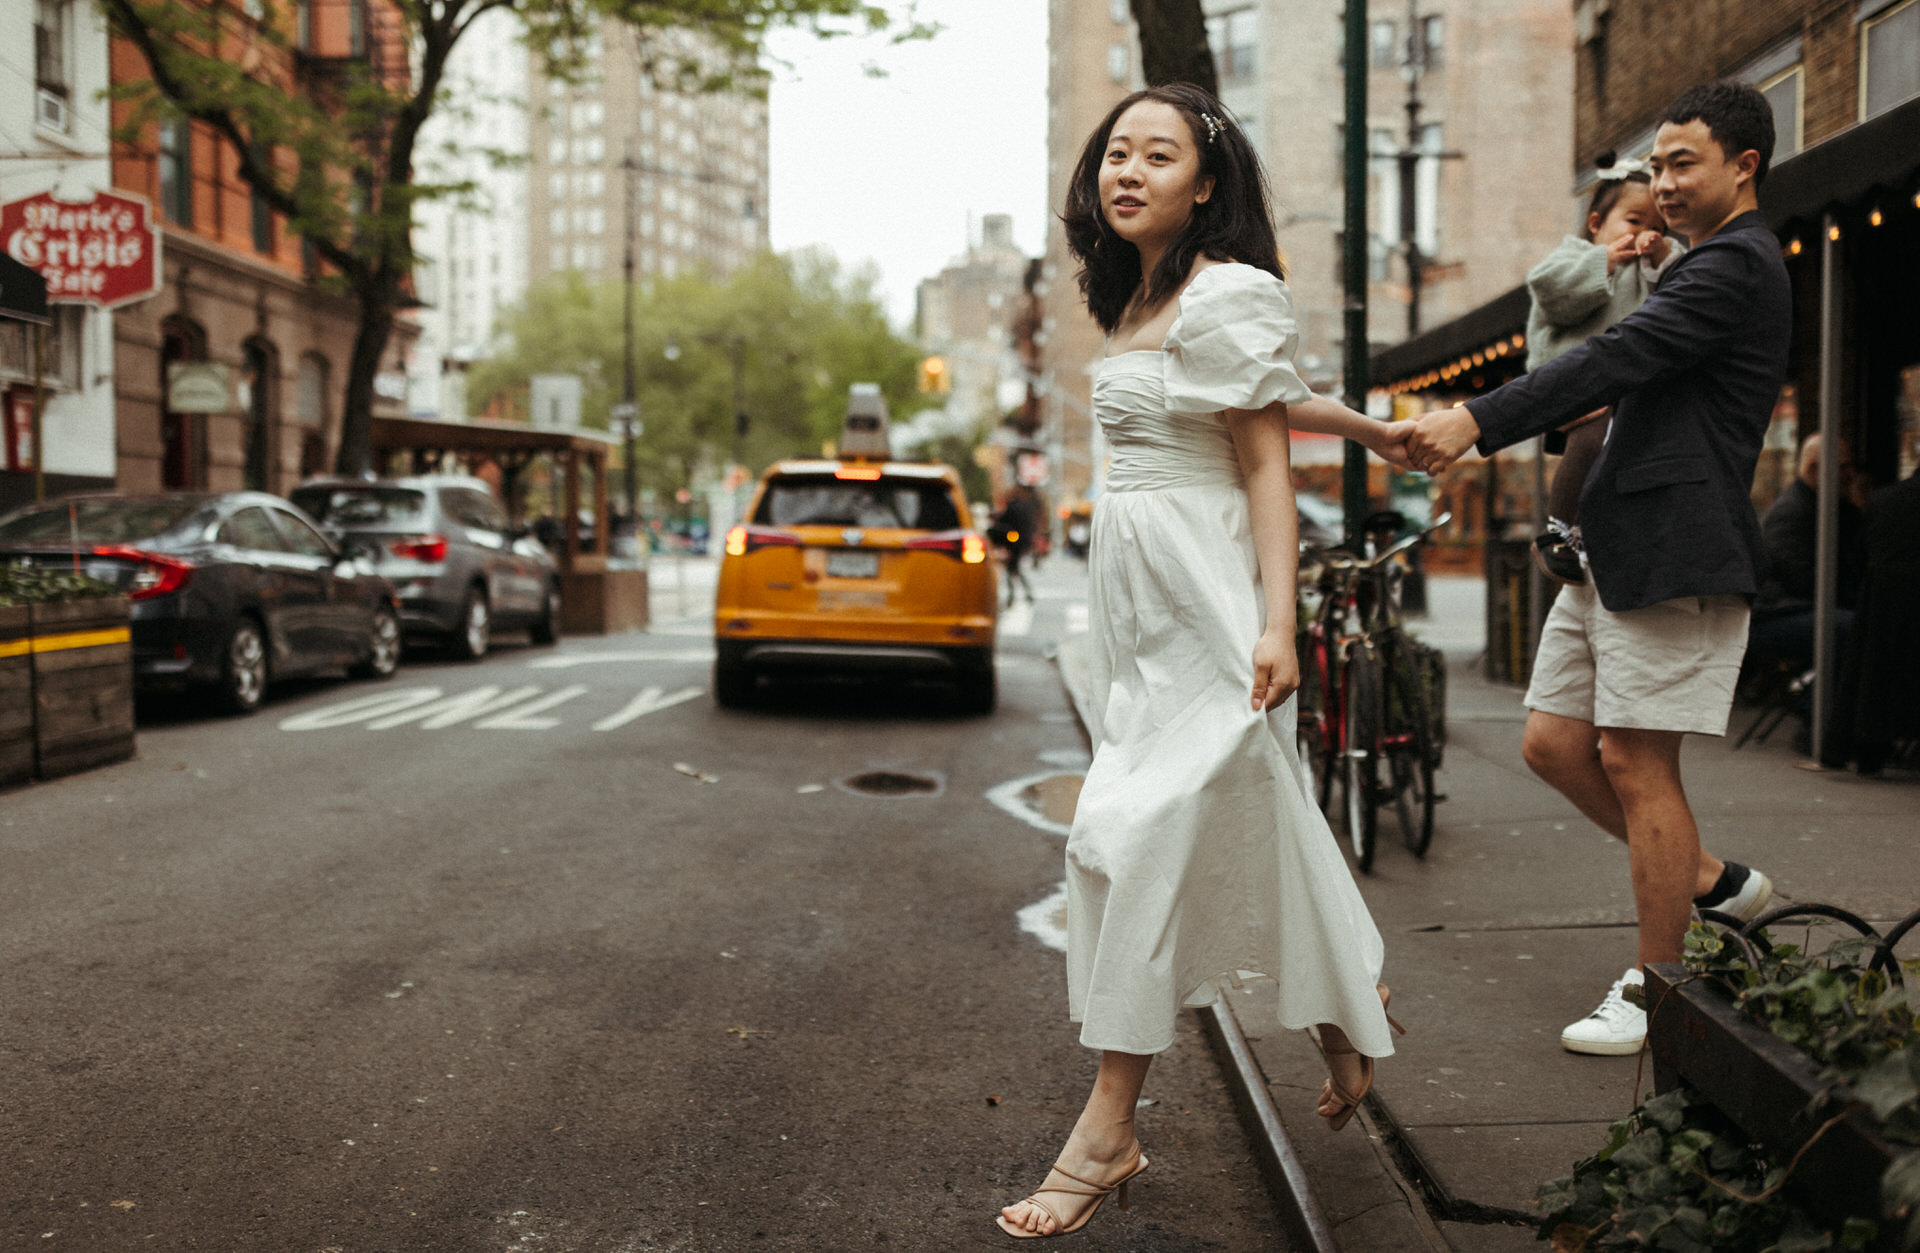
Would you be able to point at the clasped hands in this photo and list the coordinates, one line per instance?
(1429, 444)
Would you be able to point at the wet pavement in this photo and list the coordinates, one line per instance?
(548, 952)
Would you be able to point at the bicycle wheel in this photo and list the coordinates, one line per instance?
(1411, 754)
(1313, 724)
(1360, 751)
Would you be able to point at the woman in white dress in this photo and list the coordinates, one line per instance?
(1195, 852)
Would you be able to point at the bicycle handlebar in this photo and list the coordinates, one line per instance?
(1339, 560)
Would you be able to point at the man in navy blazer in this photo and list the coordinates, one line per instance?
(1650, 647)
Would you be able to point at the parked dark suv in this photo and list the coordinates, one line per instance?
(444, 541)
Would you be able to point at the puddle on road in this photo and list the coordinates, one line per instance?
(1045, 800)
(1046, 920)
(891, 783)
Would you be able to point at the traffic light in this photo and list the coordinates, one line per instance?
(933, 376)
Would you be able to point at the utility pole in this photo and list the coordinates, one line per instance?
(1417, 61)
(1353, 476)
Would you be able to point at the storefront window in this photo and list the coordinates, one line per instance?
(1907, 406)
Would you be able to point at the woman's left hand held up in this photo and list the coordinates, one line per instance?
(1276, 670)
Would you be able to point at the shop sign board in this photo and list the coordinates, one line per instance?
(199, 387)
(103, 252)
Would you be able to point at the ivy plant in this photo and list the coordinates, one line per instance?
(1677, 1174)
(31, 585)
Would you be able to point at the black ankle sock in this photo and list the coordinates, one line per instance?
(1731, 880)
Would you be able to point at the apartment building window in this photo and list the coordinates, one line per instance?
(1119, 62)
(1383, 45)
(176, 171)
(357, 28)
(557, 150)
(262, 215)
(51, 100)
(1120, 12)
(1889, 58)
(557, 222)
(557, 186)
(1433, 35)
(1783, 92)
(557, 257)
(1234, 38)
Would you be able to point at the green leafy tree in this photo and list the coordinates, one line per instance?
(331, 145)
(777, 343)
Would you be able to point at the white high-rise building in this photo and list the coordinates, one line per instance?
(473, 247)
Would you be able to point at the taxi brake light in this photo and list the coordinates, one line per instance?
(966, 545)
(865, 474)
(973, 550)
(742, 540)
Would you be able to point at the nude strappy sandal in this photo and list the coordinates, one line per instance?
(1099, 1191)
(1350, 1101)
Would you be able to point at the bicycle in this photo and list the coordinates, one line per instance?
(1370, 693)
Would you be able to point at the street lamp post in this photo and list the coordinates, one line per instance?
(629, 407)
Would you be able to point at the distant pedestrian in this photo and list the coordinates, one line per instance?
(1013, 531)
(1582, 287)
(1649, 649)
(1195, 851)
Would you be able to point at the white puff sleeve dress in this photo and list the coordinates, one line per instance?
(1195, 852)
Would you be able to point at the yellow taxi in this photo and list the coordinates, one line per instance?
(856, 564)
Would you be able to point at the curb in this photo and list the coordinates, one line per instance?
(1300, 1212)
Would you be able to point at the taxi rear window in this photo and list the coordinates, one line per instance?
(822, 500)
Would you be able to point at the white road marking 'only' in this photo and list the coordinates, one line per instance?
(487, 707)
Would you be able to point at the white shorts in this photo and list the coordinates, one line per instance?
(1668, 667)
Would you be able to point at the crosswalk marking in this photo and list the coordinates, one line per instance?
(568, 661)
(648, 701)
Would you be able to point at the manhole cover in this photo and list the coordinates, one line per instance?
(892, 783)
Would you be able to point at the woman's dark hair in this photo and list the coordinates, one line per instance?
(1232, 224)
(1737, 116)
(1607, 192)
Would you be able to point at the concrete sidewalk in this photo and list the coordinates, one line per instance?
(1514, 925)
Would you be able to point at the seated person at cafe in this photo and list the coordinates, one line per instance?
(1783, 611)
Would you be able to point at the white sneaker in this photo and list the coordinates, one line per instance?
(1755, 894)
(1616, 1029)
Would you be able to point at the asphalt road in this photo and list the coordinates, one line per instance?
(549, 953)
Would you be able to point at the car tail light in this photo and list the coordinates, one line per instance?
(966, 545)
(154, 574)
(420, 547)
(744, 539)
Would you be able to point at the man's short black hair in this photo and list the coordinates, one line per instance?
(1737, 116)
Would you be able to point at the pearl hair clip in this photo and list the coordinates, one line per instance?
(1213, 126)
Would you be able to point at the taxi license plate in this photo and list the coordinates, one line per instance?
(848, 565)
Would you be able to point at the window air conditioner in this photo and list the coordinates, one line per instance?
(50, 110)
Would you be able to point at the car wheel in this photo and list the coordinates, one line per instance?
(383, 646)
(475, 632)
(546, 628)
(733, 682)
(243, 668)
(979, 689)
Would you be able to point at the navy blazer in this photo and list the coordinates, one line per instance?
(1693, 376)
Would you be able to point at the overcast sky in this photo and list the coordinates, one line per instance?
(890, 169)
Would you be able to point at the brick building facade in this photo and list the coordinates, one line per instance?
(238, 288)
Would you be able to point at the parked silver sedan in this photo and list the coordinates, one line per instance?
(460, 568)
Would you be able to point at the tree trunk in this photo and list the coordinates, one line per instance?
(369, 346)
(1173, 43)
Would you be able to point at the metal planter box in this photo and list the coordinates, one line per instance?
(1769, 1088)
(66, 688)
